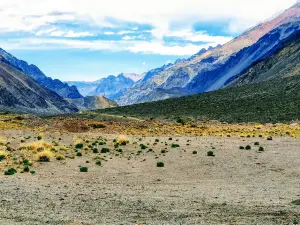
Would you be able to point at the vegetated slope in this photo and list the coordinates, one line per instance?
(21, 93)
(277, 100)
(195, 69)
(56, 85)
(93, 102)
(283, 63)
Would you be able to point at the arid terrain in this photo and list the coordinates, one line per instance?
(255, 185)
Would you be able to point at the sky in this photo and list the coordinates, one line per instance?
(85, 40)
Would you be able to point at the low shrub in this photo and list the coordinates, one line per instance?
(210, 153)
(160, 164)
(10, 171)
(83, 169)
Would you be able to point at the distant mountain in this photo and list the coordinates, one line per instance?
(112, 86)
(196, 74)
(21, 93)
(133, 76)
(56, 85)
(93, 102)
(85, 88)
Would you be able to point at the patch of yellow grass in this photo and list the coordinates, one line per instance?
(44, 156)
(37, 146)
(60, 157)
(122, 139)
(3, 154)
(3, 140)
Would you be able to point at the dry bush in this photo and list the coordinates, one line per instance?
(44, 156)
(37, 146)
(122, 140)
(3, 154)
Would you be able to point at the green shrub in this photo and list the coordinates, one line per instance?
(39, 137)
(163, 151)
(261, 149)
(79, 146)
(10, 171)
(105, 150)
(170, 139)
(256, 143)
(160, 164)
(32, 172)
(248, 147)
(95, 150)
(26, 169)
(83, 169)
(210, 153)
(270, 138)
(242, 147)
(98, 163)
(143, 146)
(195, 152)
(175, 145)
(79, 154)
(156, 140)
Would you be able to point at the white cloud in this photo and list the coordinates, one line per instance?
(20, 15)
(53, 32)
(40, 18)
(132, 46)
(109, 33)
(127, 38)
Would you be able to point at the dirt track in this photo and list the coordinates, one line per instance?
(235, 187)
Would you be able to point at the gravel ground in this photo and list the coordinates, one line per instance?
(234, 187)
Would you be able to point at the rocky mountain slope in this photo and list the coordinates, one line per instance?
(92, 103)
(285, 62)
(186, 74)
(56, 85)
(264, 47)
(21, 93)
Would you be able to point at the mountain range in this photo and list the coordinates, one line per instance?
(204, 72)
(259, 58)
(112, 87)
(266, 91)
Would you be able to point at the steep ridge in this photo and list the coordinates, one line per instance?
(56, 85)
(182, 73)
(21, 93)
(285, 62)
(266, 46)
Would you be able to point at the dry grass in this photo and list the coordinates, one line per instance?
(44, 156)
(122, 139)
(3, 154)
(37, 146)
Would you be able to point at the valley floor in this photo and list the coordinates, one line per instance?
(234, 187)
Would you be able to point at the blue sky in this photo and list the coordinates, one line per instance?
(88, 39)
